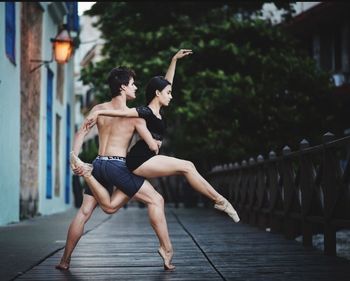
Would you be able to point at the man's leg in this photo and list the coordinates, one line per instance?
(76, 229)
(108, 203)
(155, 203)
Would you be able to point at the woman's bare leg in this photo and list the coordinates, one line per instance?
(160, 166)
(155, 203)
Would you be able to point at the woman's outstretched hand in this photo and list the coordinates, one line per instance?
(182, 53)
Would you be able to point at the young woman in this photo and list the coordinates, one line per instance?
(144, 162)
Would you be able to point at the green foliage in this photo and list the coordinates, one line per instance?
(89, 152)
(247, 88)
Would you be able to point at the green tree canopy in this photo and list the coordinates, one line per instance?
(247, 89)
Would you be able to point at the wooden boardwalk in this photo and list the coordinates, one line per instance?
(207, 244)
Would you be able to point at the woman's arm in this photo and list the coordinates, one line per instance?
(92, 117)
(141, 128)
(171, 69)
(128, 112)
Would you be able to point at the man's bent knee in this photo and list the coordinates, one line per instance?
(87, 208)
(85, 212)
(109, 210)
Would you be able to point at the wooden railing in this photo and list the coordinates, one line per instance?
(298, 193)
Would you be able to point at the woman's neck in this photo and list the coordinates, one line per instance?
(155, 106)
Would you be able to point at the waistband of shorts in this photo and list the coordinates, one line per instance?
(118, 158)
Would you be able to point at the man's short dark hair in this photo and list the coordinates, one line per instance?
(117, 77)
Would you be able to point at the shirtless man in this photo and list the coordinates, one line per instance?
(114, 138)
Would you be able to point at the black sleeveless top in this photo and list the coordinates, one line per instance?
(140, 152)
(154, 124)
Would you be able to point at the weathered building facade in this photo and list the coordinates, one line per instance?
(35, 110)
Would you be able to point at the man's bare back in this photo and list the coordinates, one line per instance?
(115, 133)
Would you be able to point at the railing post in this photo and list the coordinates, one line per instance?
(287, 173)
(305, 187)
(273, 192)
(261, 197)
(330, 190)
(243, 192)
(252, 191)
(236, 185)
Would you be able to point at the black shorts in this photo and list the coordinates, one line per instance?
(138, 154)
(111, 172)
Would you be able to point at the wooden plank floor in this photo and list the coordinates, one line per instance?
(207, 244)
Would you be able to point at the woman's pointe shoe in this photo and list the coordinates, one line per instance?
(226, 207)
(76, 162)
(167, 261)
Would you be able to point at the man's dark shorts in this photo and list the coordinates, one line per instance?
(112, 171)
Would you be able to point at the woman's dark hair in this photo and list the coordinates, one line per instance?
(156, 83)
(117, 77)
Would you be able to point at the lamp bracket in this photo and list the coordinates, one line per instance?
(42, 62)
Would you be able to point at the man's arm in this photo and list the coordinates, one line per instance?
(171, 69)
(141, 128)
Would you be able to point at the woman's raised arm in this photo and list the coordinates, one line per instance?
(171, 69)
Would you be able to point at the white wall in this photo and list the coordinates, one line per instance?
(56, 203)
(9, 125)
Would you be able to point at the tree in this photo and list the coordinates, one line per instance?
(248, 88)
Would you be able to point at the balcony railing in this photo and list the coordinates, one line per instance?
(301, 192)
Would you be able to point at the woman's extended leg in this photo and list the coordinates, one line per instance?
(160, 166)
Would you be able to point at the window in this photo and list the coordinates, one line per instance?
(58, 156)
(326, 51)
(337, 50)
(49, 112)
(10, 37)
(68, 149)
(72, 17)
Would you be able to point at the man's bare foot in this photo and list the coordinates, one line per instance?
(77, 163)
(63, 265)
(224, 205)
(166, 256)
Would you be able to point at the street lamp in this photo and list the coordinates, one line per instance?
(62, 48)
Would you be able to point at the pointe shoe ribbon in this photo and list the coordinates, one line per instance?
(226, 207)
(76, 162)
